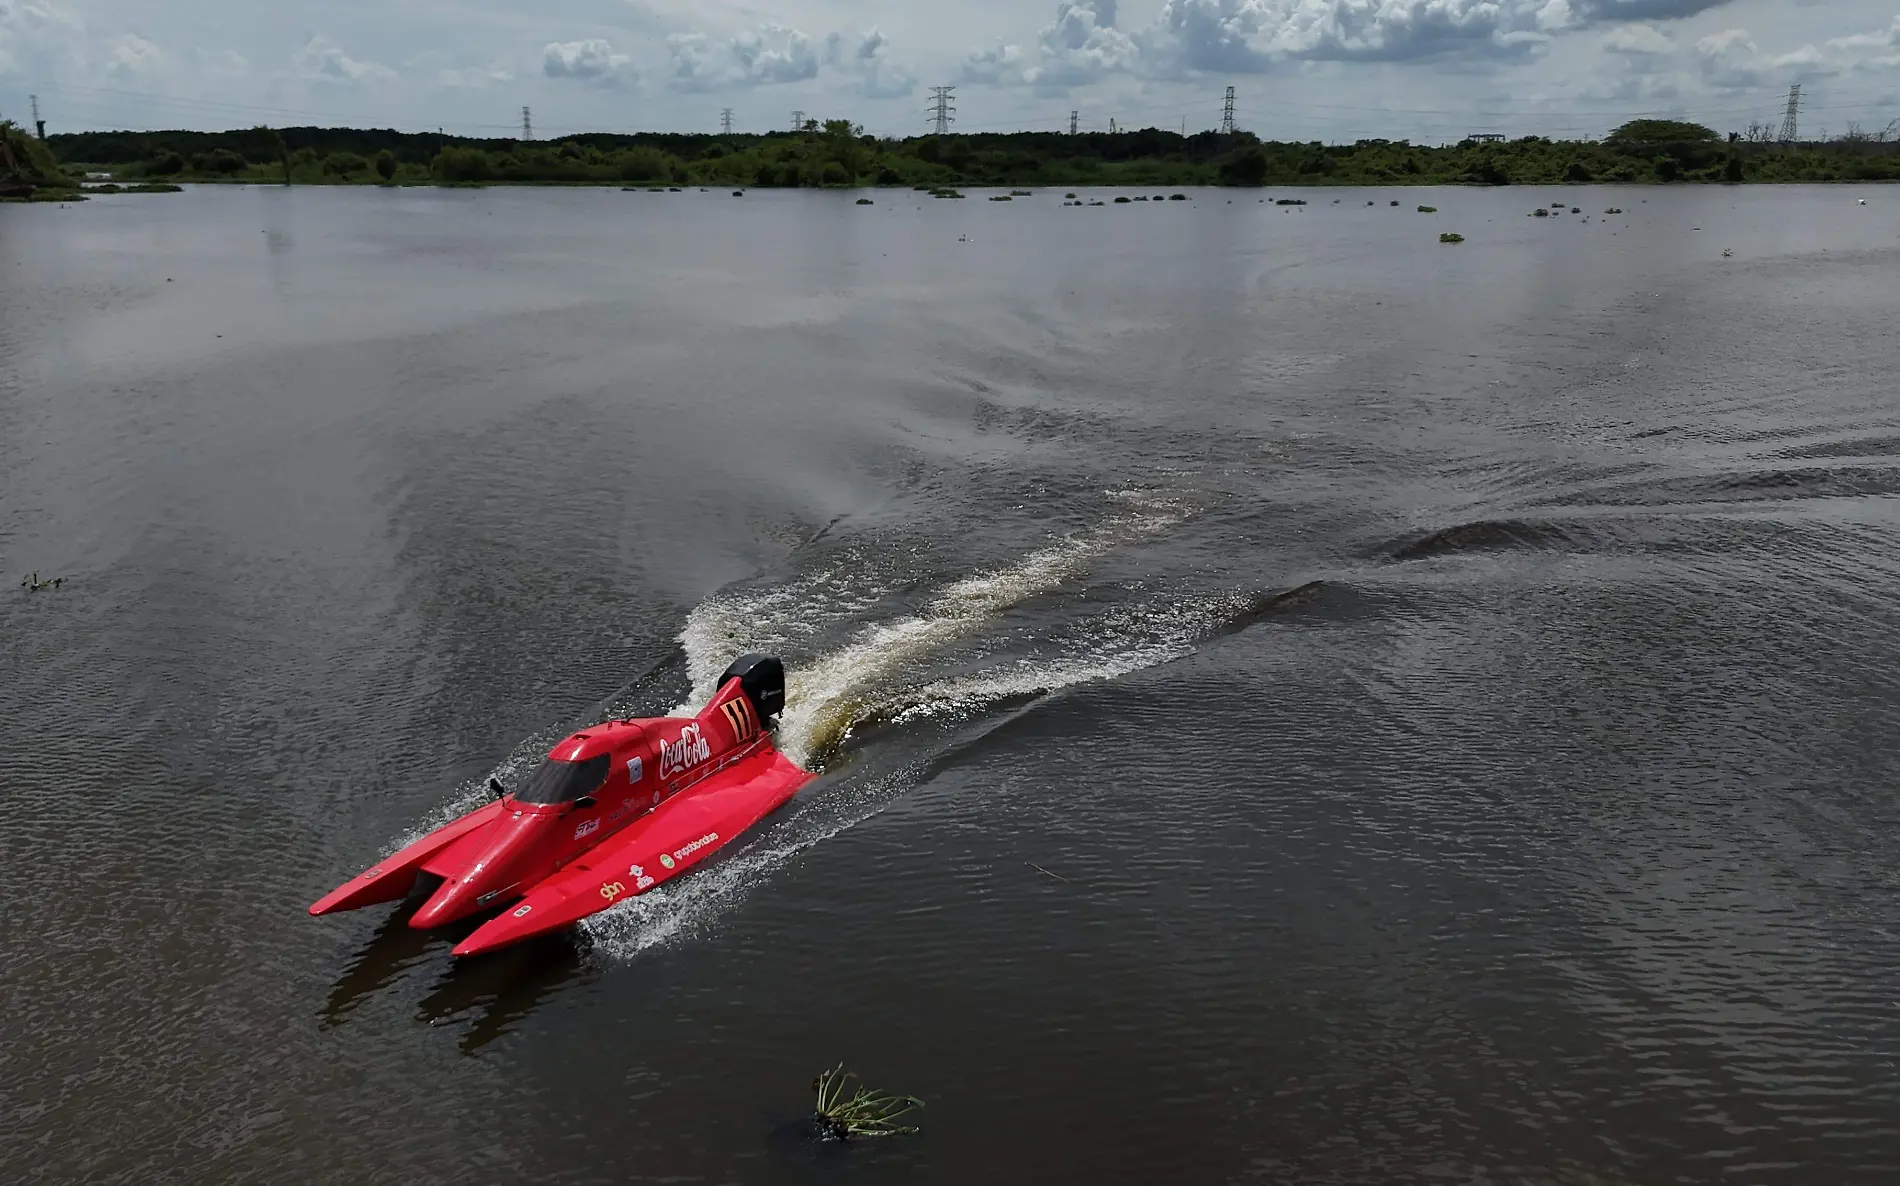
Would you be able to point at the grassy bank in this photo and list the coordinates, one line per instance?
(836, 153)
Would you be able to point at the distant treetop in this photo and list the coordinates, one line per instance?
(1661, 131)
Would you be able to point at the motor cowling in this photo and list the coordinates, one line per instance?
(762, 678)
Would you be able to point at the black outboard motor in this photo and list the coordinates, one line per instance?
(762, 678)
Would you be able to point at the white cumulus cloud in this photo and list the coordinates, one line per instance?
(766, 56)
(33, 31)
(471, 78)
(130, 55)
(323, 60)
(1210, 37)
(1001, 63)
(1642, 41)
(867, 59)
(593, 61)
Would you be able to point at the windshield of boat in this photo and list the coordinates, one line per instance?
(563, 782)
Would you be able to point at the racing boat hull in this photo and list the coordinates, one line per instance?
(613, 811)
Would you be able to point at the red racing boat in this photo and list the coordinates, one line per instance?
(615, 810)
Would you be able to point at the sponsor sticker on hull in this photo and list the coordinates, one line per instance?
(684, 752)
(738, 714)
(680, 854)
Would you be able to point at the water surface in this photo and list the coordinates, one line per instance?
(1546, 836)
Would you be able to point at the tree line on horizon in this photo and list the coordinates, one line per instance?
(838, 153)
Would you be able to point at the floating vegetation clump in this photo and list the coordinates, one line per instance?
(1614, 210)
(1576, 210)
(1121, 201)
(674, 189)
(656, 189)
(1177, 197)
(999, 197)
(1070, 196)
(1428, 209)
(1098, 202)
(1395, 201)
(1289, 201)
(1451, 237)
(944, 191)
(738, 193)
(862, 1113)
(1540, 212)
(866, 202)
(34, 584)
(1021, 193)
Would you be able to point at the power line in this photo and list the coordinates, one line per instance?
(105, 108)
(1227, 114)
(941, 108)
(725, 120)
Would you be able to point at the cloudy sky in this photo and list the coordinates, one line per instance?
(1427, 70)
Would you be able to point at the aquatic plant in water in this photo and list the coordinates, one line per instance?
(1540, 212)
(1451, 237)
(1428, 209)
(1121, 201)
(999, 197)
(863, 1113)
(865, 202)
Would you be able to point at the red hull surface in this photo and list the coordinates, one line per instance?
(614, 811)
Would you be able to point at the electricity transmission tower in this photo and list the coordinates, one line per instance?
(1112, 129)
(725, 120)
(1791, 122)
(941, 108)
(1227, 114)
(527, 124)
(39, 125)
(798, 121)
(1072, 116)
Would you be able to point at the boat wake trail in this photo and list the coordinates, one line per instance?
(908, 679)
(827, 693)
(882, 677)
